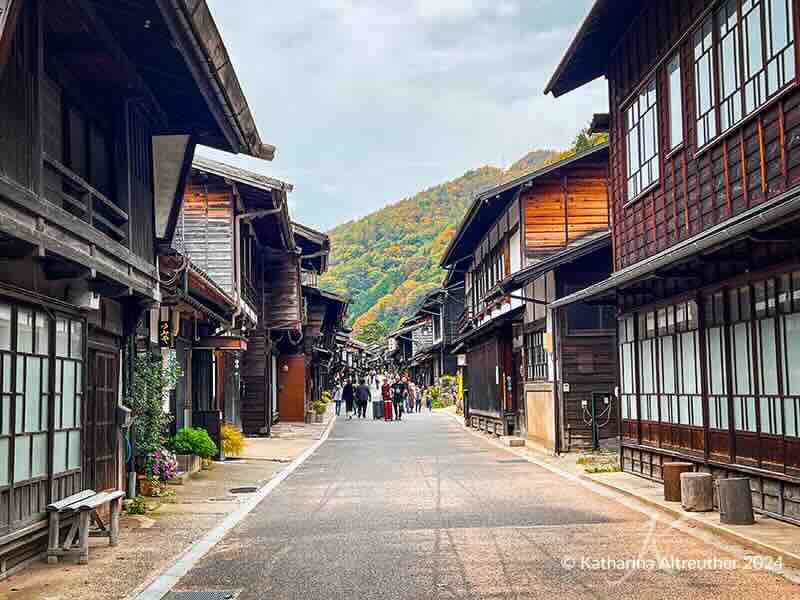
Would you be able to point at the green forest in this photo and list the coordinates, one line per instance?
(387, 261)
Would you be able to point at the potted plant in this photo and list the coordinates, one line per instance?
(160, 467)
(232, 440)
(193, 445)
(319, 408)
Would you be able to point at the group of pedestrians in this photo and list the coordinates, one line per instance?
(399, 396)
(352, 396)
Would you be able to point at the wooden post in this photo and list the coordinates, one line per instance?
(83, 537)
(697, 492)
(113, 536)
(52, 542)
(672, 479)
(735, 501)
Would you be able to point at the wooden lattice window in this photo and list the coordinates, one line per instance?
(536, 357)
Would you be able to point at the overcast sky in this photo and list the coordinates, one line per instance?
(372, 101)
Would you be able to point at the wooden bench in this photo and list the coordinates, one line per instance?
(83, 506)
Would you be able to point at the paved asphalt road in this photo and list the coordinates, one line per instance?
(424, 509)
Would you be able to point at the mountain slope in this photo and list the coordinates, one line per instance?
(389, 259)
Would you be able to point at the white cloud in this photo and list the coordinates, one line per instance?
(377, 99)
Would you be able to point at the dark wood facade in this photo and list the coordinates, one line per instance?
(85, 196)
(519, 239)
(704, 185)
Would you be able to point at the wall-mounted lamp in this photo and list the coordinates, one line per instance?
(285, 368)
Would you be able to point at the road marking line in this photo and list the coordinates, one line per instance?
(170, 576)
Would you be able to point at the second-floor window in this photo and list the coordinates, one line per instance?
(675, 102)
(642, 141)
(754, 60)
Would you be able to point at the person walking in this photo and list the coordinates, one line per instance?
(363, 396)
(348, 395)
(399, 391)
(412, 396)
(337, 398)
(417, 399)
(386, 394)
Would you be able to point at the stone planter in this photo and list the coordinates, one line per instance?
(188, 463)
(318, 417)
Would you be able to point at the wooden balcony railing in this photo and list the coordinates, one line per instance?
(79, 198)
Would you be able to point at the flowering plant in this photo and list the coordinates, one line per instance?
(161, 465)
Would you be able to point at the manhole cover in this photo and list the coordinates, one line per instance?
(513, 461)
(246, 489)
(201, 596)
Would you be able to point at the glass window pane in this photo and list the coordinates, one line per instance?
(24, 330)
(33, 395)
(62, 337)
(766, 422)
(751, 414)
(741, 344)
(769, 358)
(6, 373)
(22, 458)
(5, 327)
(68, 396)
(792, 362)
(697, 411)
(689, 364)
(790, 416)
(5, 415)
(724, 418)
(675, 101)
(665, 412)
(668, 365)
(76, 340)
(42, 334)
(60, 452)
(4, 450)
(74, 461)
(39, 466)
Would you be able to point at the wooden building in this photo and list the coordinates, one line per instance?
(705, 204)
(102, 104)
(433, 341)
(529, 233)
(326, 314)
(228, 220)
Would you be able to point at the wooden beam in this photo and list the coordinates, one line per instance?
(13, 192)
(86, 11)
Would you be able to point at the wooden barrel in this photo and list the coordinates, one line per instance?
(671, 472)
(735, 501)
(697, 492)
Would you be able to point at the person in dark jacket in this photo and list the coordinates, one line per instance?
(348, 395)
(399, 391)
(363, 396)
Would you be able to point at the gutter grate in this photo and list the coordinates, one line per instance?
(202, 595)
(513, 461)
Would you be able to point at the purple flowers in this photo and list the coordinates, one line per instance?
(162, 465)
